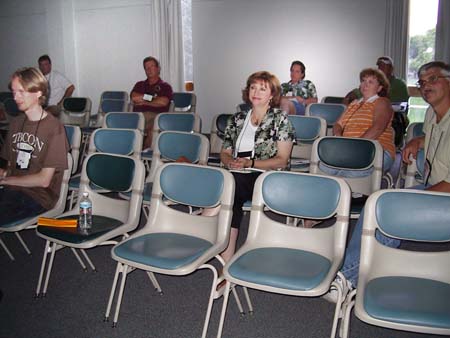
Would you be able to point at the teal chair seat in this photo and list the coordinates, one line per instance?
(163, 250)
(282, 268)
(408, 300)
(100, 226)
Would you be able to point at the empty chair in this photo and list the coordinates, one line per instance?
(218, 126)
(125, 120)
(328, 111)
(174, 242)
(76, 111)
(185, 122)
(307, 130)
(111, 217)
(182, 101)
(289, 260)
(336, 156)
(407, 290)
(113, 141)
(111, 101)
(171, 146)
(332, 99)
(30, 222)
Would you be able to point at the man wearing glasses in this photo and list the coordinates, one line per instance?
(434, 85)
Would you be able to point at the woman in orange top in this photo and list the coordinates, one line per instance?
(371, 116)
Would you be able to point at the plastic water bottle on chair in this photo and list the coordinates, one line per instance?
(85, 219)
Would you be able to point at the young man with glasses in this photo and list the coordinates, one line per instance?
(434, 85)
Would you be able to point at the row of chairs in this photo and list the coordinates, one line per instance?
(125, 270)
(77, 110)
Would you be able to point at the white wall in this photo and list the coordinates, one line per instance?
(112, 39)
(100, 44)
(234, 38)
(23, 34)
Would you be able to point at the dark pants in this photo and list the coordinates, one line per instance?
(244, 184)
(15, 206)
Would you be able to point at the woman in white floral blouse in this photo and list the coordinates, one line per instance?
(259, 139)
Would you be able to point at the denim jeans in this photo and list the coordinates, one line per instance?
(15, 206)
(350, 268)
(299, 107)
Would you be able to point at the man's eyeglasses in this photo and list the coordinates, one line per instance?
(431, 80)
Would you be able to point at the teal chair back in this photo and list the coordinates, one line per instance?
(171, 145)
(116, 141)
(76, 111)
(355, 154)
(111, 173)
(399, 288)
(125, 120)
(331, 112)
(182, 101)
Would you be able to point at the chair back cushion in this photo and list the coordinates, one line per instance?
(176, 122)
(328, 111)
(346, 153)
(307, 129)
(75, 104)
(173, 145)
(297, 195)
(112, 105)
(114, 141)
(115, 95)
(192, 185)
(182, 100)
(412, 216)
(111, 172)
(122, 120)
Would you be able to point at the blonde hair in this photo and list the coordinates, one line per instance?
(33, 81)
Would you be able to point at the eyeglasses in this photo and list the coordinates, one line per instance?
(431, 80)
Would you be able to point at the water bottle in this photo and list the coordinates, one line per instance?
(85, 219)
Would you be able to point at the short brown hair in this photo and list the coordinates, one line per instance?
(151, 58)
(33, 81)
(268, 78)
(45, 57)
(381, 78)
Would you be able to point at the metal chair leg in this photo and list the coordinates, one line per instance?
(22, 242)
(3, 245)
